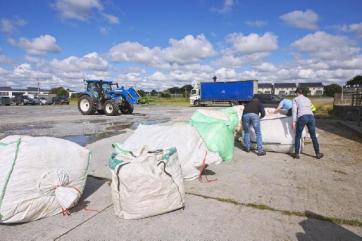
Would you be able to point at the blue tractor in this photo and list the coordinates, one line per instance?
(106, 97)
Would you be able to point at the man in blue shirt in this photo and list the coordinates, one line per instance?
(285, 107)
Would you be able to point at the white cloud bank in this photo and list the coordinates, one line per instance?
(187, 50)
(40, 45)
(307, 19)
(82, 10)
(318, 56)
(9, 25)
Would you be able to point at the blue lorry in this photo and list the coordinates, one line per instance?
(233, 92)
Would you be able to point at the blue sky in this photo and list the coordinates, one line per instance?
(159, 44)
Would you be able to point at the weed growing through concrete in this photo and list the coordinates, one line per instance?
(351, 222)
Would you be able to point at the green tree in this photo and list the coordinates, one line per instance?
(59, 91)
(142, 93)
(154, 93)
(165, 95)
(331, 89)
(356, 81)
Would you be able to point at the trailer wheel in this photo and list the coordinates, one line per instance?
(111, 108)
(197, 103)
(86, 105)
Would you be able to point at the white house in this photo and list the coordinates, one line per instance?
(283, 89)
(265, 88)
(315, 89)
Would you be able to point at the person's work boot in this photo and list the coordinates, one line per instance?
(246, 149)
(261, 153)
(319, 155)
(295, 156)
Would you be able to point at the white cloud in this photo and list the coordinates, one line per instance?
(265, 67)
(158, 76)
(9, 25)
(77, 9)
(247, 49)
(324, 46)
(91, 61)
(82, 10)
(111, 18)
(227, 7)
(4, 59)
(355, 28)
(256, 23)
(225, 73)
(188, 50)
(307, 19)
(40, 45)
(104, 30)
(253, 43)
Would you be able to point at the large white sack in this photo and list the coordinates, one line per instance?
(190, 146)
(39, 176)
(146, 184)
(277, 133)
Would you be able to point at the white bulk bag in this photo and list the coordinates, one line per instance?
(277, 133)
(39, 177)
(147, 184)
(191, 149)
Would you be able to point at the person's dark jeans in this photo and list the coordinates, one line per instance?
(302, 121)
(251, 119)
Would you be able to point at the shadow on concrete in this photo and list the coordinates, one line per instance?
(92, 185)
(318, 230)
(337, 129)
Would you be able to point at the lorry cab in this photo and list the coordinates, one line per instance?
(195, 95)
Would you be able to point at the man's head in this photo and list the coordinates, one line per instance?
(299, 91)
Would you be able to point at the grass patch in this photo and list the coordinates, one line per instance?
(324, 107)
(155, 100)
(307, 214)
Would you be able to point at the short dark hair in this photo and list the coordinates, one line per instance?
(299, 90)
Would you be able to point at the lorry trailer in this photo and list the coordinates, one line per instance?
(233, 92)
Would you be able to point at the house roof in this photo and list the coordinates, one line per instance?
(265, 85)
(285, 85)
(318, 84)
(5, 88)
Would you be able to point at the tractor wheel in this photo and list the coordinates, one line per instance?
(127, 108)
(111, 108)
(86, 105)
(196, 103)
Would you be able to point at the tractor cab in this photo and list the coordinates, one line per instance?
(106, 97)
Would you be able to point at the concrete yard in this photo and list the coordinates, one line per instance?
(273, 197)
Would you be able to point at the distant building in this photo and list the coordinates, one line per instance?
(315, 89)
(265, 88)
(10, 92)
(283, 89)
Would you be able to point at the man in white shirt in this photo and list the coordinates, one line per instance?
(303, 116)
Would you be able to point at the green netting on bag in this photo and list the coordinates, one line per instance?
(217, 134)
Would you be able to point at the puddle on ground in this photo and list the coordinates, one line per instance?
(119, 126)
(25, 128)
(155, 122)
(84, 140)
